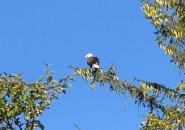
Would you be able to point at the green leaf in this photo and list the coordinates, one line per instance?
(92, 85)
(66, 85)
(39, 124)
(64, 91)
(61, 80)
(49, 79)
(39, 79)
(28, 117)
(23, 98)
(47, 65)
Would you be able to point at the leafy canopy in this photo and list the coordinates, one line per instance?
(21, 103)
(168, 18)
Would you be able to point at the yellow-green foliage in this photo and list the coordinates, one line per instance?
(21, 103)
(168, 18)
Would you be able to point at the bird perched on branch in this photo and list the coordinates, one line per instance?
(92, 61)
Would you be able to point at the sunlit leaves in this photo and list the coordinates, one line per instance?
(162, 101)
(173, 118)
(99, 76)
(78, 71)
(168, 49)
(168, 17)
(181, 86)
(172, 114)
(150, 10)
(157, 21)
(21, 103)
(153, 122)
(85, 73)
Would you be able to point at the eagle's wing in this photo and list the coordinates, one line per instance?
(93, 61)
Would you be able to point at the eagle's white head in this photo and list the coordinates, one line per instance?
(89, 55)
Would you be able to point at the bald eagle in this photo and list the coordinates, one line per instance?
(92, 61)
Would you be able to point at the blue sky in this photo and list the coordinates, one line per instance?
(61, 32)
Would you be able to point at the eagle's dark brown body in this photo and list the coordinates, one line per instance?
(93, 62)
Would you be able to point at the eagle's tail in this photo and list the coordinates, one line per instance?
(96, 66)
